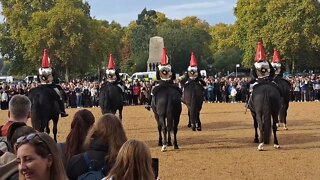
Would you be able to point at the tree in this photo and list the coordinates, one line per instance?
(292, 26)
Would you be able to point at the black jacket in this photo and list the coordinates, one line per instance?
(96, 152)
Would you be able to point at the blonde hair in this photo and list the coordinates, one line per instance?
(133, 162)
(108, 130)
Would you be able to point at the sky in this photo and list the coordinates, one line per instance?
(125, 11)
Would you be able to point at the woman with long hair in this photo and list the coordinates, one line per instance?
(82, 121)
(39, 158)
(101, 145)
(133, 162)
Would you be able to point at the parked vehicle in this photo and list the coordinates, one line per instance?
(31, 78)
(124, 76)
(143, 76)
(7, 79)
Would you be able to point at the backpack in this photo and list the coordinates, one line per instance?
(92, 174)
(4, 146)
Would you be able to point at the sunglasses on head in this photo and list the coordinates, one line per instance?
(24, 139)
(28, 138)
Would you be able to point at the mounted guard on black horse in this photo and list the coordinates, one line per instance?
(166, 103)
(47, 100)
(264, 101)
(193, 93)
(111, 92)
(284, 86)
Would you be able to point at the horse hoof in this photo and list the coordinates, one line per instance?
(260, 147)
(175, 147)
(189, 125)
(193, 129)
(164, 148)
(285, 127)
(278, 124)
(169, 143)
(160, 144)
(256, 140)
(199, 128)
(276, 146)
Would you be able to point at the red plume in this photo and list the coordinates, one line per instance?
(276, 58)
(164, 57)
(260, 55)
(193, 60)
(111, 64)
(45, 61)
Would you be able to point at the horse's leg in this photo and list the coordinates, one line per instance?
(274, 128)
(261, 129)
(47, 128)
(189, 123)
(159, 129)
(192, 118)
(160, 135)
(55, 128)
(175, 131)
(283, 113)
(120, 114)
(169, 137)
(169, 129)
(198, 121)
(255, 125)
(164, 131)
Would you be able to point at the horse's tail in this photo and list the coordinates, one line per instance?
(35, 116)
(266, 117)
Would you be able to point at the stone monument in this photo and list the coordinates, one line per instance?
(155, 52)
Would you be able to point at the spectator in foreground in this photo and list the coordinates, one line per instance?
(133, 162)
(102, 145)
(82, 121)
(39, 158)
(19, 111)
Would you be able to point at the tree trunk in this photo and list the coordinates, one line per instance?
(67, 74)
(293, 66)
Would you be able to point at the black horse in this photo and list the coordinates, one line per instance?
(111, 99)
(193, 98)
(284, 87)
(266, 104)
(44, 107)
(166, 105)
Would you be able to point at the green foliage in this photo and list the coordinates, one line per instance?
(73, 37)
(291, 26)
(183, 37)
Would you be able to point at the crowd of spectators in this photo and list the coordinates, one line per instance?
(83, 93)
(102, 147)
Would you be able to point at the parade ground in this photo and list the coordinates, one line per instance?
(224, 149)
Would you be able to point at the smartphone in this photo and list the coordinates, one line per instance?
(155, 167)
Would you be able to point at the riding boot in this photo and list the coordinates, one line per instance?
(148, 103)
(62, 109)
(249, 104)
